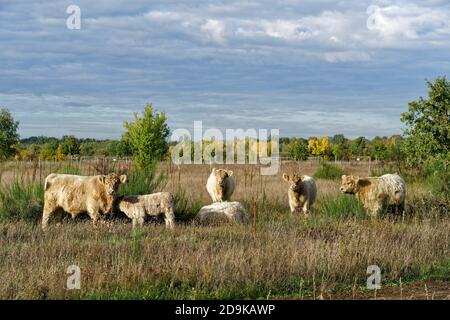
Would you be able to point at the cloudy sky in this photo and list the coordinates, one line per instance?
(306, 67)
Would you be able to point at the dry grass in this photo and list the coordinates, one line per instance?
(322, 256)
(291, 257)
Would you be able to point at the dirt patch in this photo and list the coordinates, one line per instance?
(426, 290)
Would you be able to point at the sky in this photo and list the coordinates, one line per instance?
(307, 68)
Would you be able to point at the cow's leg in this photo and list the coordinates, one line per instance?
(94, 214)
(305, 208)
(59, 215)
(169, 219)
(401, 209)
(48, 210)
(376, 210)
(293, 207)
(138, 222)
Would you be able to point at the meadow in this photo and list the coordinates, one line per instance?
(322, 256)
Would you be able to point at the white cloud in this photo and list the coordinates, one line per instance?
(409, 23)
(346, 56)
(214, 30)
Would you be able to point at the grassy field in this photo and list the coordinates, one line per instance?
(324, 255)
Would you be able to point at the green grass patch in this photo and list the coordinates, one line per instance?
(329, 172)
(342, 206)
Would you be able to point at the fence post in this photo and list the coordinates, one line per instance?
(254, 219)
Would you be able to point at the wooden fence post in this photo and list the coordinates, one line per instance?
(254, 219)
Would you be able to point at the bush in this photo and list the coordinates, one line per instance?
(21, 200)
(328, 171)
(143, 181)
(438, 177)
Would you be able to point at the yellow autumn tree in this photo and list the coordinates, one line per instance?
(319, 147)
(60, 153)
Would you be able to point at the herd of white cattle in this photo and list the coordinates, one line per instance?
(96, 195)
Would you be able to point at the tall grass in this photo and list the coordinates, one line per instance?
(185, 209)
(21, 200)
(69, 168)
(340, 207)
(293, 258)
(328, 171)
(290, 255)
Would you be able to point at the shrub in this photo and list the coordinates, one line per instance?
(21, 200)
(328, 171)
(143, 181)
(438, 177)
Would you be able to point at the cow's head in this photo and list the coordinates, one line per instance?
(349, 184)
(294, 181)
(221, 176)
(112, 182)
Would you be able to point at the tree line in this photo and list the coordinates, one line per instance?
(425, 141)
(339, 147)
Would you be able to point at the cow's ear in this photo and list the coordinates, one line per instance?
(230, 173)
(123, 178)
(356, 178)
(286, 177)
(101, 179)
(344, 176)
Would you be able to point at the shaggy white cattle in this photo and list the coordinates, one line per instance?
(221, 212)
(377, 193)
(156, 204)
(220, 185)
(302, 192)
(78, 194)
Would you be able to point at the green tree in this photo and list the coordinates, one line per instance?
(379, 149)
(427, 121)
(360, 146)
(119, 148)
(298, 150)
(147, 136)
(87, 149)
(9, 138)
(394, 149)
(70, 145)
(341, 147)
